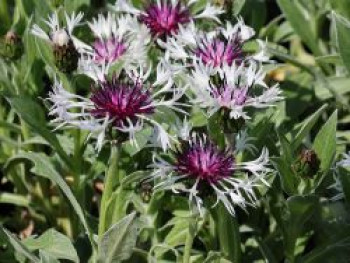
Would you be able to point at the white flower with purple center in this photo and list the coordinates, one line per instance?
(118, 39)
(199, 168)
(233, 89)
(224, 46)
(59, 35)
(125, 105)
(164, 17)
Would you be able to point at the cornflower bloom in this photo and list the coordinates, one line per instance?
(203, 171)
(233, 89)
(223, 46)
(124, 105)
(164, 17)
(120, 40)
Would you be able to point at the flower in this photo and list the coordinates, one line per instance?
(65, 45)
(124, 105)
(204, 161)
(200, 169)
(232, 89)
(118, 39)
(121, 102)
(223, 46)
(164, 17)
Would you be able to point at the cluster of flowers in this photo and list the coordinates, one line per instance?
(209, 69)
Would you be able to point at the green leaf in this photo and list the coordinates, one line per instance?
(306, 127)
(237, 6)
(141, 138)
(118, 242)
(19, 247)
(344, 177)
(343, 38)
(340, 85)
(46, 257)
(229, 234)
(15, 199)
(330, 59)
(74, 5)
(177, 234)
(341, 7)
(320, 254)
(43, 167)
(301, 22)
(299, 211)
(325, 142)
(216, 257)
(135, 177)
(33, 115)
(55, 244)
(289, 180)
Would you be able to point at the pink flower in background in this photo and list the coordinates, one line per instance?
(164, 18)
(118, 39)
(218, 52)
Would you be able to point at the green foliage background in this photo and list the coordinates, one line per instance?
(49, 180)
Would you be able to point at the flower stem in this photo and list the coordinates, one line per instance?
(189, 240)
(110, 179)
(229, 236)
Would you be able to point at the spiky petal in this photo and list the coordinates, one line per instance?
(122, 102)
(164, 18)
(203, 160)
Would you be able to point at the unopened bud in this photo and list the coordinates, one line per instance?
(11, 46)
(60, 37)
(98, 3)
(57, 3)
(146, 192)
(307, 163)
(229, 124)
(66, 56)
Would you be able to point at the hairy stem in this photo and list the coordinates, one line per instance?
(110, 179)
(189, 240)
(229, 236)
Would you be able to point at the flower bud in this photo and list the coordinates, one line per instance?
(98, 3)
(146, 192)
(307, 164)
(12, 46)
(65, 53)
(229, 124)
(57, 3)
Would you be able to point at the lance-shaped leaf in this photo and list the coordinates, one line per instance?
(118, 242)
(43, 167)
(19, 247)
(325, 142)
(342, 27)
(55, 244)
(34, 116)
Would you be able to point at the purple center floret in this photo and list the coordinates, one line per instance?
(164, 19)
(229, 97)
(204, 161)
(121, 102)
(108, 50)
(217, 52)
